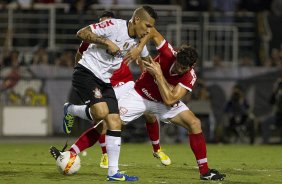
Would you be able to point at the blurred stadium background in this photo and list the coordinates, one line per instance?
(239, 42)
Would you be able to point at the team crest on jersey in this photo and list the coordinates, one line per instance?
(97, 93)
(125, 46)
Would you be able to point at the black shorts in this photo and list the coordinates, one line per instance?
(93, 90)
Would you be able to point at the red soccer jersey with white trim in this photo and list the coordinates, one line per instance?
(146, 85)
(120, 76)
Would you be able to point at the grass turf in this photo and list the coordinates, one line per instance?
(31, 163)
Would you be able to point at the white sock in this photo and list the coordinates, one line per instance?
(113, 150)
(75, 148)
(79, 111)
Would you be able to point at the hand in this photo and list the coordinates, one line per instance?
(112, 49)
(153, 68)
(132, 54)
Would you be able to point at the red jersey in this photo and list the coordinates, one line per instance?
(146, 85)
(120, 76)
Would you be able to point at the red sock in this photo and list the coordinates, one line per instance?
(154, 134)
(198, 146)
(102, 142)
(86, 140)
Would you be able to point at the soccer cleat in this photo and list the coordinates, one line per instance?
(213, 174)
(121, 177)
(165, 160)
(104, 161)
(68, 119)
(54, 152)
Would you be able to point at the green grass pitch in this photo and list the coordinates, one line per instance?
(31, 163)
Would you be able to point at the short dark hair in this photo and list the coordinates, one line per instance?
(186, 55)
(107, 14)
(151, 11)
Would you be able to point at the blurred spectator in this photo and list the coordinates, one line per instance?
(265, 35)
(275, 119)
(66, 59)
(4, 3)
(117, 2)
(276, 7)
(217, 61)
(24, 4)
(44, 1)
(13, 59)
(78, 6)
(240, 120)
(40, 57)
(275, 58)
(224, 6)
(200, 91)
(12, 75)
(254, 5)
(191, 5)
(246, 60)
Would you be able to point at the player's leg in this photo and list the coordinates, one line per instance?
(96, 112)
(188, 120)
(153, 130)
(104, 157)
(91, 91)
(86, 140)
(113, 138)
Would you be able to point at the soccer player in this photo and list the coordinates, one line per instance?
(122, 81)
(159, 90)
(109, 40)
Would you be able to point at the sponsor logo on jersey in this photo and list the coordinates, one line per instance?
(145, 92)
(103, 24)
(122, 111)
(97, 93)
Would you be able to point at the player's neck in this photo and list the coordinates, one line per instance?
(130, 29)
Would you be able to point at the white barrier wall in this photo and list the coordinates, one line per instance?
(25, 121)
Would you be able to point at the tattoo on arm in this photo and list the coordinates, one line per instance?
(87, 35)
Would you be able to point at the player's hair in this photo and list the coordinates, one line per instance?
(139, 12)
(151, 11)
(107, 13)
(186, 55)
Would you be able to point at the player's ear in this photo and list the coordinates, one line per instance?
(136, 19)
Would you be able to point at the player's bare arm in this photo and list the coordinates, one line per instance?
(153, 35)
(77, 57)
(134, 52)
(88, 36)
(170, 94)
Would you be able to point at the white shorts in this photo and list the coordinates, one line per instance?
(132, 106)
(123, 89)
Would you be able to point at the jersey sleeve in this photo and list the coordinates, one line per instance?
(83, 47)
(166, 50)
(188, 80)
(104, 28)
(144, 52)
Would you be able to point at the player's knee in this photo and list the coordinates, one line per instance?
(195, 124)
(99, 113)
(150, 118)
(114, 122)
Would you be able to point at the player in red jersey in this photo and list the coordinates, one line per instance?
(159, 90)
(122, 81)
